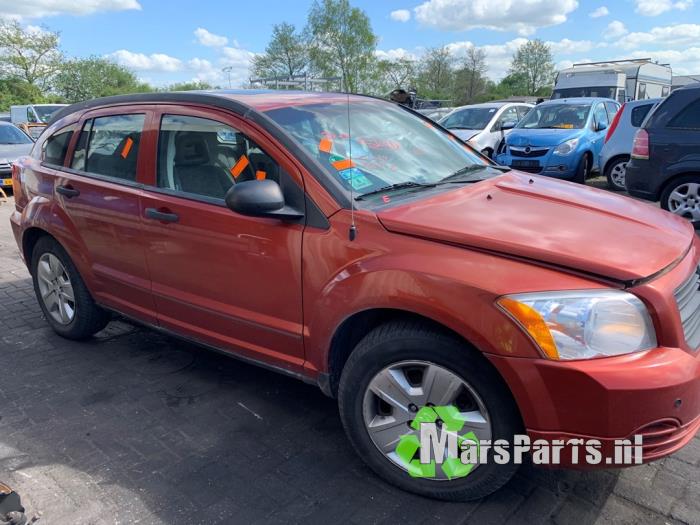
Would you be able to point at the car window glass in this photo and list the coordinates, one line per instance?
(638, 114)
(509, 115)
(556, 116)
(612, 109)
(522, 111)
(205, 157)
(10, 134)
(600, 115)
(688, 118)
(469, 118)
(55, 147)
(109, 146)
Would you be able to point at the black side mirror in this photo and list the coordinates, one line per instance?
(600, 126)
(260, 198)
(505, 126)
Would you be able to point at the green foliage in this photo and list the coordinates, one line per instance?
(470, 82)
(285, 55)
(29, 54)
(195, 85)
(14, 91)
(436, 74)
(533, 63)
(93, 77)
(341, 42)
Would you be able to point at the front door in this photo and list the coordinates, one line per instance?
(221, 278)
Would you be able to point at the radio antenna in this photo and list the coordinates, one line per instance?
(353, 230)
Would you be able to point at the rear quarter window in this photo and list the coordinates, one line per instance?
(639, 113)
(688, 117)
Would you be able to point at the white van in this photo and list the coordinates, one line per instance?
(621, 80)
(32, 118)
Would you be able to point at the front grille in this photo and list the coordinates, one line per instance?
(522, 152)
(687, 297)
(5, 166)
(528, 169)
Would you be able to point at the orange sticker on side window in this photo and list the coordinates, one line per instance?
(343, 164)
(325, 145)
(260, 175)
(239, 166)
(127, 147)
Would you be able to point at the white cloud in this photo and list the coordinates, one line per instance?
(141, 62)
(657, 7)
(666, 36)
(394, 54)
(400, 15)
(601, 11)
(570, 47)
(524, 16)
(206, 38)
(41, 8)
(615, 29)
(684, 62)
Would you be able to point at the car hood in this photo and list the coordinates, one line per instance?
(541, 137)
(554, 222)
(466, 134)
(11, 152)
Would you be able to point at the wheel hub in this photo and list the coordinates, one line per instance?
(684, 200)
(56, 289)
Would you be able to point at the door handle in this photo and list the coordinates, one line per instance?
(67, 191)
(163, 216)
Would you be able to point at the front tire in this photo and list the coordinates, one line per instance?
(63, 297)
(615, 173)
(409, 358)
(584, 169)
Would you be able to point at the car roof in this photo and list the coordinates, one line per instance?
(643, 101)
(693, 85)
(576, 100)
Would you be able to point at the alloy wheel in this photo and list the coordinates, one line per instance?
(397, 392)
(684, 200)
(56, 289)
(617, 174)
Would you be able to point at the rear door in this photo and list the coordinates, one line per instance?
(100, 191)
(221, 278)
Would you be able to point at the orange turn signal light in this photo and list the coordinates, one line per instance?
(532, 323)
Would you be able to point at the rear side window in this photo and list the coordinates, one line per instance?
(639, 113)
(54, 149)
(688, 118)
(109, 146)
(612, 109)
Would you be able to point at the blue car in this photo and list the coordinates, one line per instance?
(560, 138)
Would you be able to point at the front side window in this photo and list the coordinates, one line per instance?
(55, 147)
(612, 109)
(600, 115)
(469, 118)
(46, 112)
(109, 146)
(556, 116)
(204, 157)
(522, 111)
(509, 115)
(387, 145)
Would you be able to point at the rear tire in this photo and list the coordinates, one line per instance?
(584, 169)
(682, 197)
(63, 297)
(615, 173)
(387, 348)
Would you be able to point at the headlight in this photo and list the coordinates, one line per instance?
(584, 324)
(566, 147)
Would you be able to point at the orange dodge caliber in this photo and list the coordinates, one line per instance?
(356, 245)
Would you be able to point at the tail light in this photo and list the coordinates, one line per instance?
(615, 122)
(640, 147)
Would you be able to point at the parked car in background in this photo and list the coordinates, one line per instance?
(482, 124)
(665, 163)
(33, 118)
(560, 138)
(618, 140)
(14, 143)
(399, 270)
(435, 113)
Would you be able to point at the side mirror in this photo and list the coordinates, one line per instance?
(508, 125)
(260, 198)
(600, 126)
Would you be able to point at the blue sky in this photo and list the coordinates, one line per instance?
(167, 41)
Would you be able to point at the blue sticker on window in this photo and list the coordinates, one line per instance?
(355, 177)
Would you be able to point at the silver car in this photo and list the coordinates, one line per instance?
(481, 124)
(618, 141)
(14, 143)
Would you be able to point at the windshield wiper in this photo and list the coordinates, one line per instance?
(394, 187)
(456, 176)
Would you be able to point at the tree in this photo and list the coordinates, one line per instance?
(286, 54)
(470, 82)
(436, 76)
(29, 54)
(15, 91)
(533, 62)
(341, 42)
(195, 85)
(388, 75)
(87, 78)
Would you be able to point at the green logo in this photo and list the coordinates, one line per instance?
(447, 419)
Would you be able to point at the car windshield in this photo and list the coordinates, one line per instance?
(389, 145)
(557, 116)
(46, 112)
(12, 135)
(469, 118)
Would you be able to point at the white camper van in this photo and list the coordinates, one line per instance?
(621, 80)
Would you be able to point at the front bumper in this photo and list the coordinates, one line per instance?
(549, 164)
(5, 178)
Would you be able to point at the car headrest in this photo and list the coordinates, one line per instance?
(191, 149)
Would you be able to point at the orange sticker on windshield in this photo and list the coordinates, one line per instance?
(127, 147)
(325, 145)
(343, 164)
(239, 166)
(260, 175)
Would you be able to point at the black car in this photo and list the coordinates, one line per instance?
(665, 163)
